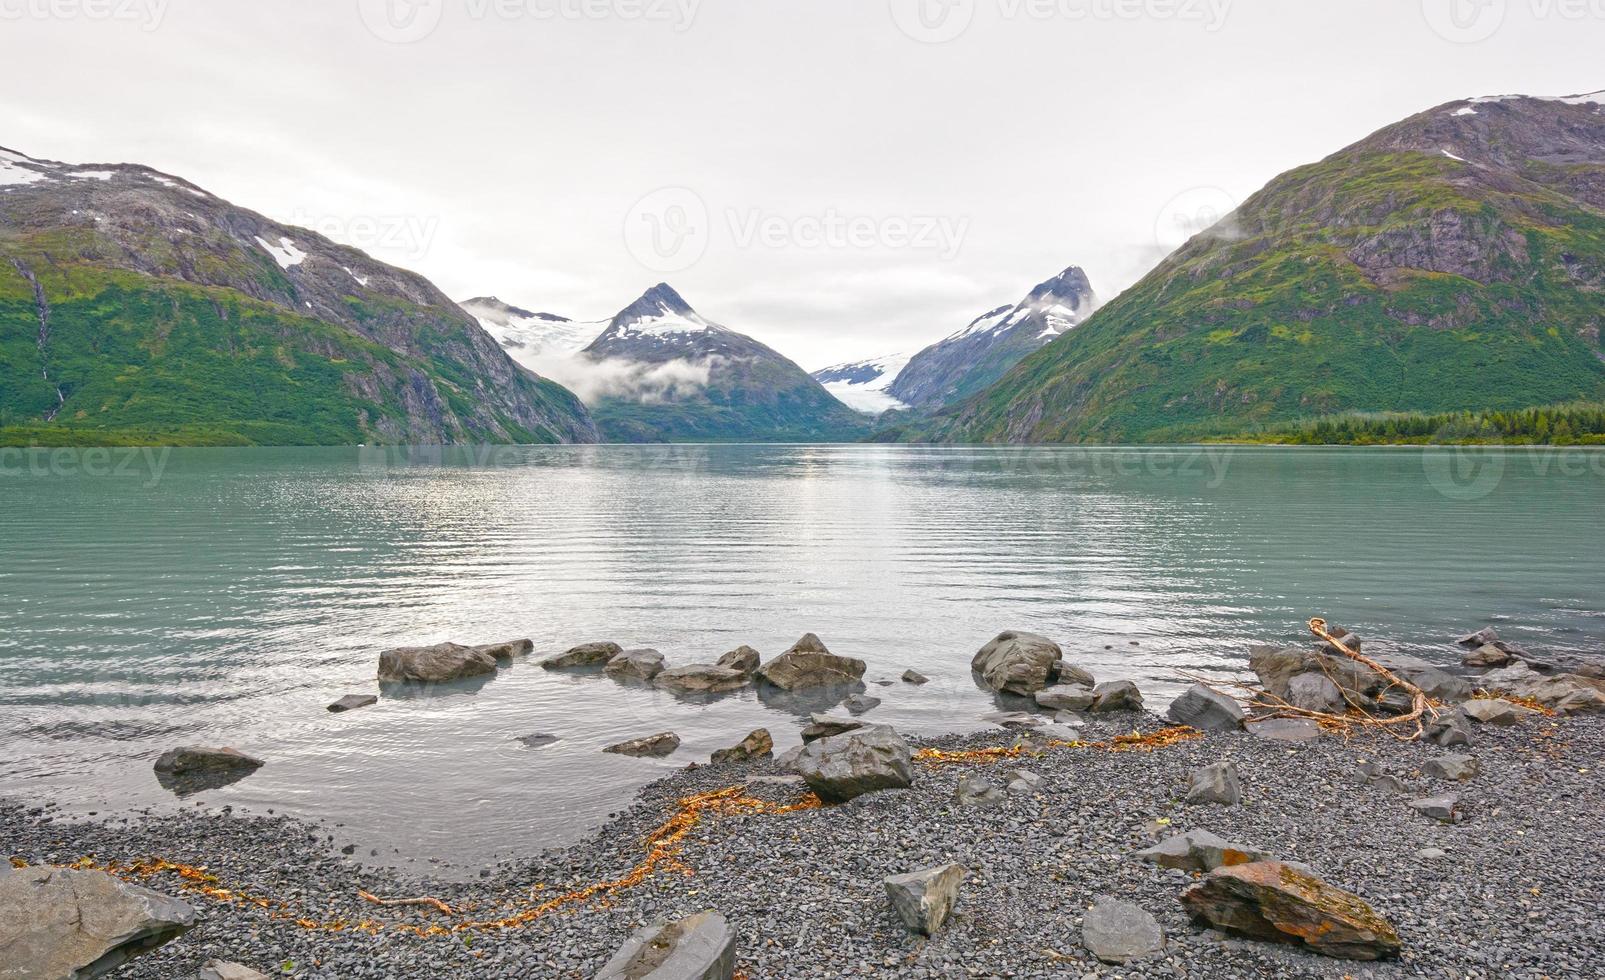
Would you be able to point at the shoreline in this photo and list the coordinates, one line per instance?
(802, 889)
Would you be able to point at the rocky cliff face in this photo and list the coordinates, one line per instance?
(1452, 261)
(136, 305)
(676, 376)
(975, 357)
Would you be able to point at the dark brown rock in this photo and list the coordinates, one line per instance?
(1275, 902)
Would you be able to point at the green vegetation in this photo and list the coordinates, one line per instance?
(1557, 425)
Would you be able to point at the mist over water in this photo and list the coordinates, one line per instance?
(228, 597)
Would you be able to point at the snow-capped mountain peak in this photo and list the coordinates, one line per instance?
(532, 339)
(661, 312)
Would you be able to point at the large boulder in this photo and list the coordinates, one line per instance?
(635, 665)
(699, 947)
(809, 665)
(1119, 932)
(1199, 851)
(59, 924)
(193, 760)
(584, 655)
(743, 659)
(1017, 663)
(845, 767)
(438, 664)
(653, 746)
(1277, 666)
(1116, 696)
(1435, 682)
(760, 744)
(1276, 902)
(925, 899)
(1066, 673)
(1206, 710)
(702, 679)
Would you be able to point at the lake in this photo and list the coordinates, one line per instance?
(224, 597)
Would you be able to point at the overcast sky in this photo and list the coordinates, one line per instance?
(839, 178)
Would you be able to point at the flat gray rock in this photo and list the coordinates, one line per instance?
(699, 947)
(1199, 851)
(1285, 729)
(1455, 768)
(1066, 697)
(925, 899)
(860, 704)
(1444, 809)
(1120, 933)
(635, 665)
(58, 924)
(351, 702)
(828, 726)
(1498, 712)
(1206, 710)
(702, 679)
(220, 970)
(584, 655)
(654, 746)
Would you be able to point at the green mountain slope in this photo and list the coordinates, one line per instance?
(1454, 261)
(682, 378)
(137, 308)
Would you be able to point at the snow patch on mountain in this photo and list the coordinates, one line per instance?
(285, 253)
(862, 385)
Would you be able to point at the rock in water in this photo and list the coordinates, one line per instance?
(1206, 710)
(977, 792)
(1486, 657)
(809, 665)
(351, 702)
(1017, 663)
(433, 665)
(845, 767)
(700, 947)
(635, 665)
(860, 704)
(1481, 638)
(507, 651)
(584, 655)
(755, 746)
(57, 924)
(702, 679)
(193, 760)
(539, 740)
(824, 726)
(742, 659)
(1457, 768)
(219, 970)
(655, 746)
(1066, 697)
(1216, 784)
(1200, 851)
(1119, 933)
(1067, 674)
(915, 677)
(1117, 696)
(925, 899)
(1275, 902)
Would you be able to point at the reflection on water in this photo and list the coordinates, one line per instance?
(228, 596)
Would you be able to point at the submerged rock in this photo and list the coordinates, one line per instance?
(699, 947)
(60, 924)
(1276, 902)
(439, 664)
(539, 740)
(808, 664)
(915, 677)
(635, 665)
(351, 702)
(845, 767)
(860, 704)
(925, 899)
(760, 744)
(584, 655)
(194, 760)
(1206, 710)
(702, 679)
(654, 746)
(1119, 932)
(1017, 663)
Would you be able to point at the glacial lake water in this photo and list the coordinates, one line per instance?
(225, 597)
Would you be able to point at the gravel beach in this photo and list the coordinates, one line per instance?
(1515, 892)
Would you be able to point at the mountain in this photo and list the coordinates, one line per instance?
(674, 376)
(137, 307)
(975, 357)
(531, 338)
(1453, 261)
(861, 385)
